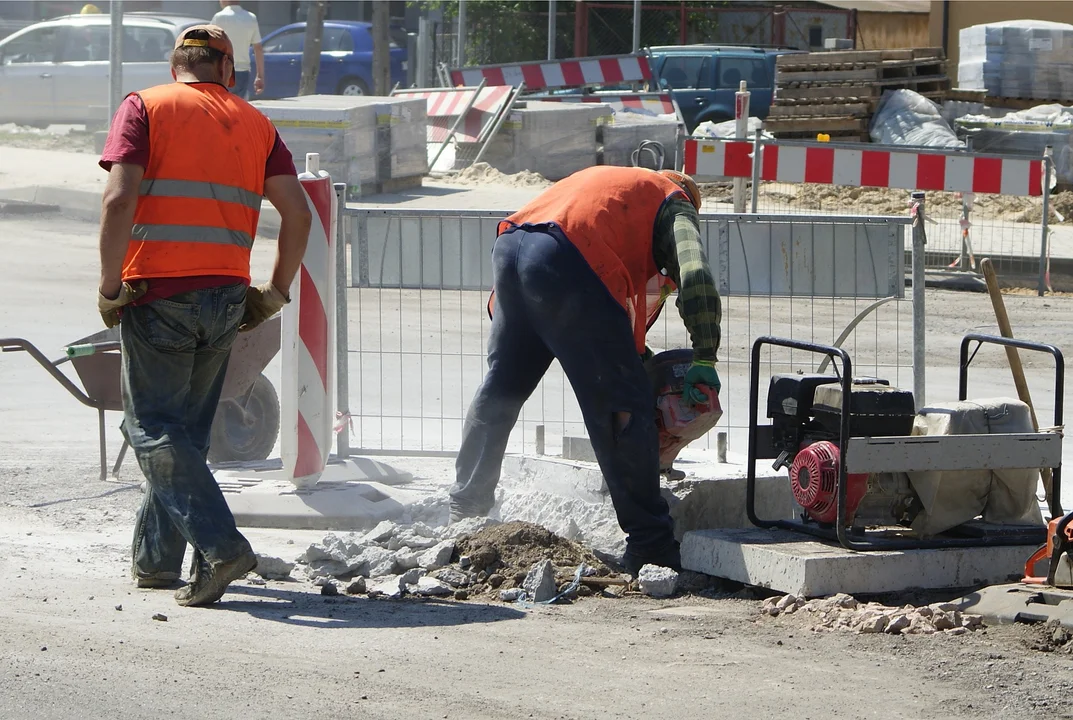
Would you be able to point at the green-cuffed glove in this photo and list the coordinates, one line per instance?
(262, 302)
(109, 307)
(701, 372)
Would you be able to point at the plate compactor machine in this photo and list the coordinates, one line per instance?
(870, 470)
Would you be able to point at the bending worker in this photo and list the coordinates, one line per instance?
(579, 275)
(187, 166)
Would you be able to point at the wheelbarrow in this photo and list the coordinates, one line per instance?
(246, 423)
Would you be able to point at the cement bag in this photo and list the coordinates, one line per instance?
(955, 497)
(728, 129)
(904, 117)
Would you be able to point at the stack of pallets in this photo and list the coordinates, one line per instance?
(836, 92)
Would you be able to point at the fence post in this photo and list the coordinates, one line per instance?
(636, 25)
(755, 202)
(460, 52)
(741, 132)
(342, 366)
(1044, 239)
(919, 240)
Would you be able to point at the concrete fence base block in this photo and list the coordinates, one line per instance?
(784, 561)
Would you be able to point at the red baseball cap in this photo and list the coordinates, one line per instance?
(212, 37)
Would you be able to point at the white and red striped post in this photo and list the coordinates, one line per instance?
(307, 398)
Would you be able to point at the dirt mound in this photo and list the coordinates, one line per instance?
(484, 174)
(510, 549)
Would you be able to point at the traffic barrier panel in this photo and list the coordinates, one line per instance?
(708, 160)
(574, 72)
(307, 395)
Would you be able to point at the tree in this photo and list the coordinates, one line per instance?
(311, 48)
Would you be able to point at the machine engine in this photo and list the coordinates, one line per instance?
(806, 415)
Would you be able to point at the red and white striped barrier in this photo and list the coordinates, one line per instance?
(307, 396)
(708, 160)
(575, 72)
(444, 107)
(647, 103)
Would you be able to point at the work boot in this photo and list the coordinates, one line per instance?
(458, 515)
(670, 558)
(209, 582)
(157, 580)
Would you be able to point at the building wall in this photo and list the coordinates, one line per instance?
(883, 31)
(966, 13)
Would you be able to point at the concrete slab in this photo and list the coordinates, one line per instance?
(578, 448)
(351, 495)
(783, 561)
(1020, 603)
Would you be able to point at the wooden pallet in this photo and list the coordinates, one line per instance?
(816, 125)
(821, 110)
(962, 95)
(844, 57)
(827, 93)
(862, 75)
(1024, 103)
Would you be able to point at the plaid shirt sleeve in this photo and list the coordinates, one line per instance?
(677, 248)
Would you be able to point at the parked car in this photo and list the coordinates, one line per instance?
(57, 71)
(702, 79)
(346, 59)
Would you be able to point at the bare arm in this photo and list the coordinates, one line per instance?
(286, 194)
(117, 216)
(259, 58)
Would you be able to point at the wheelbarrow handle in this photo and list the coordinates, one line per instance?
(75, 351)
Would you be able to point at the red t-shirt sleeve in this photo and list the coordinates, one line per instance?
(128, 138)
(280, 161)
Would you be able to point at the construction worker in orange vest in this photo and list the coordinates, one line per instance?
(579, 275)
(188, 164)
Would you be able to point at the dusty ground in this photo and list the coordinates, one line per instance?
(72, 139)
(68, 649)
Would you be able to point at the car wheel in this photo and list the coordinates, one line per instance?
(352, 86)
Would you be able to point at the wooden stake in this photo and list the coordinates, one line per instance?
(1014, 359)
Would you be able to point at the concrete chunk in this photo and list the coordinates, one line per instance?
(430, 587)
(539, 584)
(656, 581)
(273, 568)
(407, 558)
(383, 532)
(387, 586)
(437, 556)
(410, 577)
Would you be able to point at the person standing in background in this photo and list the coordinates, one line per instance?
(241, 26)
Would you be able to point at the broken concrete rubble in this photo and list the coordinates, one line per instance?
(844, 612)
(429, 587)
(436, 556)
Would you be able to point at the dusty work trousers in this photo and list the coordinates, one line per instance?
(549, 304)
(175, 354)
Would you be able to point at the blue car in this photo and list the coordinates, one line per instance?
(346, 59)
(703, 79)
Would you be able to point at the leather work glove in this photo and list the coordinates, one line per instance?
(701, 372)
(262, 302)
(109, 308)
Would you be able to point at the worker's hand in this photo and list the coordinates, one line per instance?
(262, 302)
(109, 307)
(701, 372)
(258, 85)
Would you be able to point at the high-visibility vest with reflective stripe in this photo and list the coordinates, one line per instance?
(609, 214)
(200, 198)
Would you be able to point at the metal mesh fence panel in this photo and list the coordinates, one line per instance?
(418, 320)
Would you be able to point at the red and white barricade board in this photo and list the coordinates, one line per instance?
(480, 105)
(307, 397)
(552, 74)
(882, 167)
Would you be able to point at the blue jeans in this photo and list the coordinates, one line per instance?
(242, 85)
(175, 354)
(549, 304)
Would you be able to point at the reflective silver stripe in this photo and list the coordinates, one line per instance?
(191, 233)
(200, 191)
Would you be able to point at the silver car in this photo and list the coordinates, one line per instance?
(57, 71)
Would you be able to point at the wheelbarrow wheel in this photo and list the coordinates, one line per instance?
(245, 428)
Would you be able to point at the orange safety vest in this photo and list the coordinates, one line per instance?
(201, 194)
(609, 214)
